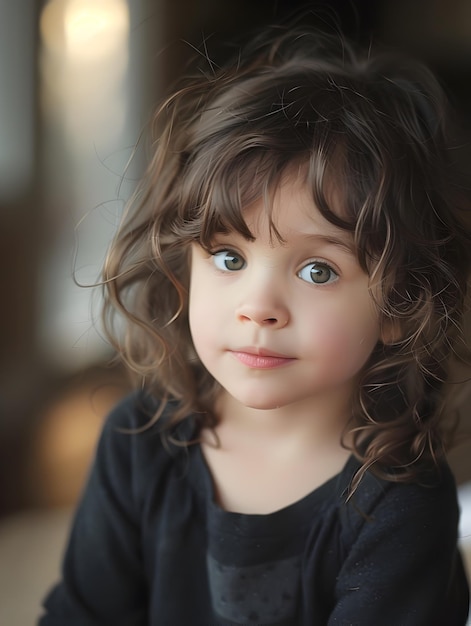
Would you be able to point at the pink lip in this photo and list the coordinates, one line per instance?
(258, 358)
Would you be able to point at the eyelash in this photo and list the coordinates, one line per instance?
(226, 253)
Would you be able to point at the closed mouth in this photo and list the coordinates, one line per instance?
(263, 352)
(256, 358)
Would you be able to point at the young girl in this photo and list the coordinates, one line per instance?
(292, 276)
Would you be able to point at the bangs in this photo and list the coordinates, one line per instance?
(236, 186)
(246, 145)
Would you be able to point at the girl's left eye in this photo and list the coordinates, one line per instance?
(318, 273)
(228, 261)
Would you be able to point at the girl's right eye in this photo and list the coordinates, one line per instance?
(228, 261)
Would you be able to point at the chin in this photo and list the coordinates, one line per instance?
(261, 404)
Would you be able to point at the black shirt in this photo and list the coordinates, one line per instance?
(149, 546)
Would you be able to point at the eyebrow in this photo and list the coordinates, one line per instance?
(344, 243)
(331, 240)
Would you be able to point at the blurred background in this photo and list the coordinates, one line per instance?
(78, 82)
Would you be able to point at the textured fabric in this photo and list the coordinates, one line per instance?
(150, 547)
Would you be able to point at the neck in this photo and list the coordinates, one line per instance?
(305, 423)
(264, 460)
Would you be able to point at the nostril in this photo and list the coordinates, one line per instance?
(257, 317)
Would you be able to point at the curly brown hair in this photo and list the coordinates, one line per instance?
(370, 127)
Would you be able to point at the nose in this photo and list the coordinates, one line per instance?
(265, 311)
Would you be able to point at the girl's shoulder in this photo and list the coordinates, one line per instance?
(137, 448)
(134, 421)
(382, 504)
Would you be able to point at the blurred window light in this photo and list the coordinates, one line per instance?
(85, 29)
(83, 65)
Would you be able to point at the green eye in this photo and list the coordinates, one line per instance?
(318, 273)
(228, 261)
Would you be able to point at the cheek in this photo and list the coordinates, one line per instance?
(200, 326)
(344, 337)
(202, 315)
(196, 317)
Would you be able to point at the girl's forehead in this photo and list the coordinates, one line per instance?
(290, 210)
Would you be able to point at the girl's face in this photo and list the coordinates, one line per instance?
(283, 324)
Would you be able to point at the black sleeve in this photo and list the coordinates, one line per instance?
(103, 578)
(404, 568)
